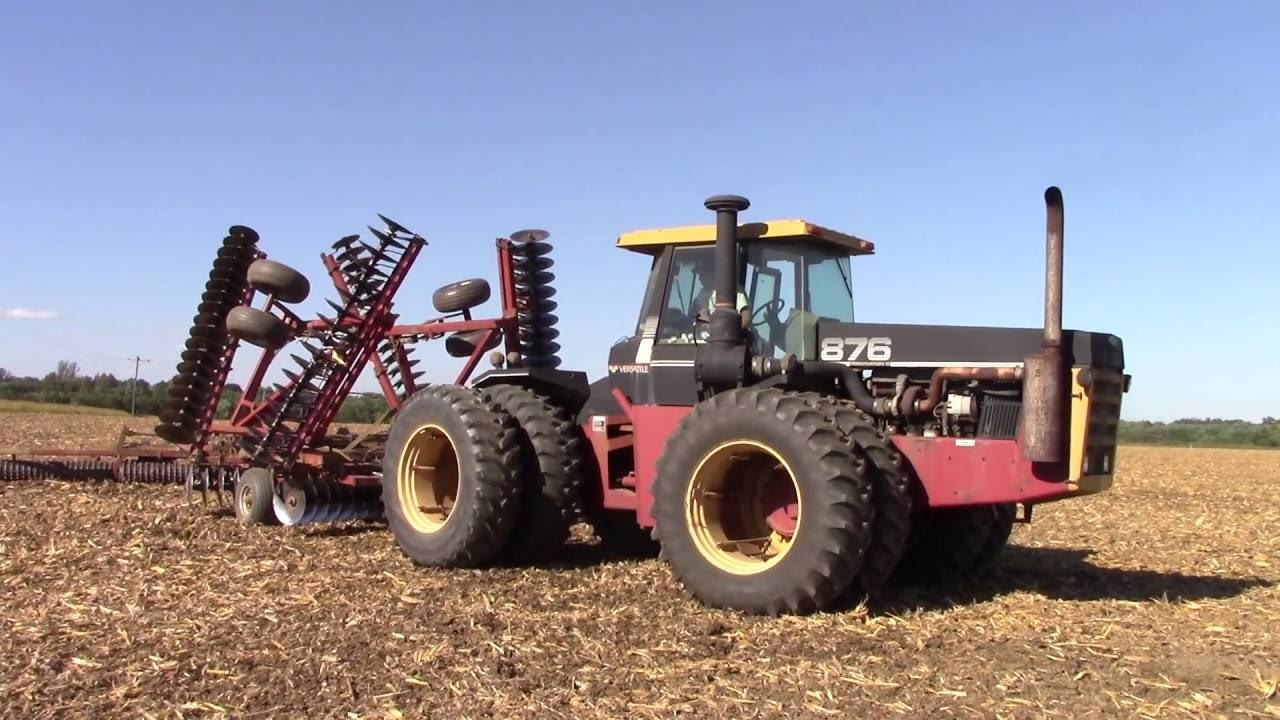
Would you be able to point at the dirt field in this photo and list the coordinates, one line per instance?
(1157, 599)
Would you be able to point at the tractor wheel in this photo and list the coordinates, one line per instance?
(276, 278)
(254, 491)
(1002, 515)
(950, 546)
(448, 488)
(550, 465)
(461, 295)
(761, 504)
(620, 535)
(258, 327)
(890, 493)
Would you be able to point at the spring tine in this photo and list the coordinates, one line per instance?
(190, 483)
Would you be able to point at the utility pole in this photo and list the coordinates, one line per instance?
(133, 390)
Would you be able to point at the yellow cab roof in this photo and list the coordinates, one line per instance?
(652, 241)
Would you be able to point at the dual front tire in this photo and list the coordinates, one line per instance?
(762, 505)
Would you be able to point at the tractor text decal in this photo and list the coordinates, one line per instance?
(857, 349)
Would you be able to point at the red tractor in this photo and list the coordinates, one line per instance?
(780, 454)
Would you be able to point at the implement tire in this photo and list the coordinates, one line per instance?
(276, 278)
(448, 489)
(550, 468)
(761, 504)
(255, 491)
(258, 327)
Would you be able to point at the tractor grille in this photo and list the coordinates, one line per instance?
(999, 418)
(1104, 395)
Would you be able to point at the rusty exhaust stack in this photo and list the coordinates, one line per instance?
(1043, 394)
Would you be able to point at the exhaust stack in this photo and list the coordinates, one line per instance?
(726, 208)
(1043, 394)
(723, 361)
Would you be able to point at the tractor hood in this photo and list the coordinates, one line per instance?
(927, 346)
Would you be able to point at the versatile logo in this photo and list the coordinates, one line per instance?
(857, 349)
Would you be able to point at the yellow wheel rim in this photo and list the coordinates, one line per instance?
(427, 482)
(732, 504)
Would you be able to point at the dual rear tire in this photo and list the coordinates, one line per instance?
(470, 477)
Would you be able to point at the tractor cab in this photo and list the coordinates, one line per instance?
(791, 273)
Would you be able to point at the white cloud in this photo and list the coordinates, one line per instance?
(27, 314)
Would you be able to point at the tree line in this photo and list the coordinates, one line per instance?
(66, 386)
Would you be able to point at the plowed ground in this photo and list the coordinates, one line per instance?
(1157, 599)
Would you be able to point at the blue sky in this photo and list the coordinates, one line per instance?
(133, 134)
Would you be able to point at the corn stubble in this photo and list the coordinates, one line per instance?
(1159, 599)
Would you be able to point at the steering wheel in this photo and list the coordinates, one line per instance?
(771, 311)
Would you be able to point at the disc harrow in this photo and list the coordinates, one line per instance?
(202, 372)
(299, 411)
(92, 468)
(276, 436)
(531, 267)
(312, 498)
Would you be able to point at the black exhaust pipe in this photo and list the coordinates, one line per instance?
(726, 208)
(723, 360)
(1043, 391)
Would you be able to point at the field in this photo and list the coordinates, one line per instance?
(1159, 599)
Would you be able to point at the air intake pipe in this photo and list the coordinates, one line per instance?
(1043, 394)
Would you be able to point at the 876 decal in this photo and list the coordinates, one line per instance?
(857, 349)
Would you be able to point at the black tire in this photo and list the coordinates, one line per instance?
(950, 547)
(253, 500)
(258, 327)
(465, 448)
(276, 278)
(551, 467)
(462, 344)
(891, 497)
(621, 536)
(1002, 515)
(461, 295)
(773, 431)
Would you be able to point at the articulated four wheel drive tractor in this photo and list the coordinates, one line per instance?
(781, 455)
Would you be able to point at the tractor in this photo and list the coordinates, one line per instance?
(779, 455)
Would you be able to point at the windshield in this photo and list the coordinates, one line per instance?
(788, 286)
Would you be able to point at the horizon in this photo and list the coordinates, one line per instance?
(134, 137)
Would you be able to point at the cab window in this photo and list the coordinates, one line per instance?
(689, 292)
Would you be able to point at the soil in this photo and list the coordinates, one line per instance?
(1160, 598)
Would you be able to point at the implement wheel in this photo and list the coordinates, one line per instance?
(761, 504)
(253, 498)
(276, 278)
(449, 485)
(258, 327)
(550, 467)
(461, 295)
